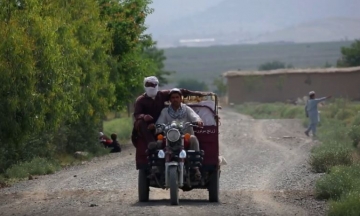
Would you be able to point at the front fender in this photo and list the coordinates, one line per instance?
(171, 164)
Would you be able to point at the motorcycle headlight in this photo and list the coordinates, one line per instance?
(182, 154)
(161, 154)
(173, 135)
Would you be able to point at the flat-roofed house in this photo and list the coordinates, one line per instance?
(289, 84)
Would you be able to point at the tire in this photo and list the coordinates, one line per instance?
(173, 183)
(143, 186)
(213, 186)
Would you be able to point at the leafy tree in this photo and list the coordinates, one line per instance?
(350, 55)
(62, 65)
(192, 84)
(220, 85)
(158, 57)
(126, 22)
(273, 66)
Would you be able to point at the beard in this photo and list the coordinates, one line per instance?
(151, 91)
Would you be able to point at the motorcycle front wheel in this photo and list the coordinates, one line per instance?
(173, 183)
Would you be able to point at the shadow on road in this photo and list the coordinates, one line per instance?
(182, 202)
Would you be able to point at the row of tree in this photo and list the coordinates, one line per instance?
(63, 65)
(350, 57)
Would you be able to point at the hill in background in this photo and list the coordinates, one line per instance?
(207, 63)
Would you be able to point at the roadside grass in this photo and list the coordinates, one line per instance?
(348, 204)
(271, 110)
(37, 166)
(122, 127)
(44, 166)
(338, 155)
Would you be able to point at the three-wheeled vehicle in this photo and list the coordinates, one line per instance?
(171, 166)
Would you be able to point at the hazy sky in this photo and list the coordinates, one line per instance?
(167, 10)
(192, 17)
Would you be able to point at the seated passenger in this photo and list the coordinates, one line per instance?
(206, 115)
(180, 112)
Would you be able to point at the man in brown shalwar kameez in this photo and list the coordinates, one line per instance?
(148, 107)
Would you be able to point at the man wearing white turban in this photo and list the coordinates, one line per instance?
(148, 107)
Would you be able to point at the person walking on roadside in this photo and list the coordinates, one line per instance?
(312, 112)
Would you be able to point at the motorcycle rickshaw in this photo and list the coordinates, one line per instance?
(173, 162)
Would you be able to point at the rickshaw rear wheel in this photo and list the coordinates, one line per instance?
(143, 186)
(213, 186)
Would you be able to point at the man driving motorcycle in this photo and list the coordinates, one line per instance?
(183, 113)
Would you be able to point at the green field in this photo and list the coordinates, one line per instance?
(206, 63)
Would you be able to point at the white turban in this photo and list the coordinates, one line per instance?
(151, 91)
(151, 79)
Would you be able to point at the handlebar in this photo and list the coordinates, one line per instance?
(163, 126)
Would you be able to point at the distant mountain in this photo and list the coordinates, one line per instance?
(243, 20)
(331, 29)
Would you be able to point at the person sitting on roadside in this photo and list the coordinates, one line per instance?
(106, 141)
(115, 145)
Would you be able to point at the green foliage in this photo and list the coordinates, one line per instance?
(273, 65)
(122, 127)
(350, 55)
(354, 134)
(340, 181)
(126, 23)
(347, 205)
(37, 166)
(221, 86)
(192, 84)
(271, 110)
(330, 154)
(158, 57)
(63, 64)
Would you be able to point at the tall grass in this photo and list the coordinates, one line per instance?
(37, 166)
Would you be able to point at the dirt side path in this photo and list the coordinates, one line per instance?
(267, 174)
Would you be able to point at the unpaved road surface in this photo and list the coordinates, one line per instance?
(267, 174)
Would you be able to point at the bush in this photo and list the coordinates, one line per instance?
(354, 134)
(2, 181)
(324, 157)
(339, 181)
(349, 205)
(333, 129)
(37, 166)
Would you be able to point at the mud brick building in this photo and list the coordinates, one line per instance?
(289, 84)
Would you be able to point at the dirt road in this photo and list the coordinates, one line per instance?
(267, 174)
